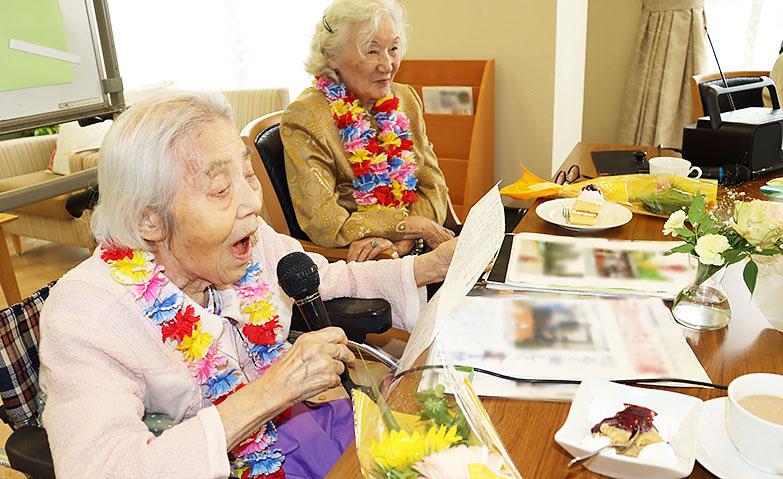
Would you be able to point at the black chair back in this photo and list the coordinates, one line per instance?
(270, 148)
(743, 99)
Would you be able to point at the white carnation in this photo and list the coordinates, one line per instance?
(710, 247)
(675, 221)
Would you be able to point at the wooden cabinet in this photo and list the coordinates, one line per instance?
(464, 144)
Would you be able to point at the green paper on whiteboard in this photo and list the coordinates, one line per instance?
(38, 23)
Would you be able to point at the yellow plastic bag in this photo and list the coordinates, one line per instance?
(656, 195)
(428, 434)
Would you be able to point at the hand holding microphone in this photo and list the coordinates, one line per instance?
(298, 276)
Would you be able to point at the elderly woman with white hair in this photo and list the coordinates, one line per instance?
(360, 168)
(179, 312)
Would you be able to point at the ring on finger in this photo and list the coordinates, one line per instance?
(374, 244)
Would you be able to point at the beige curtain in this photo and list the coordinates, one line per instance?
(670, 48)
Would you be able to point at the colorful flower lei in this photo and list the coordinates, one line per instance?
(180, 328)
(382, 161)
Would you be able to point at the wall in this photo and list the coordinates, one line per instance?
(520, 36)
(570, 44)
(611, 34)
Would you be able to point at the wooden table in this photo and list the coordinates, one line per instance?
(7, 276)
(527, 428)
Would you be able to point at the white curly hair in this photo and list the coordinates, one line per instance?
(331, 33)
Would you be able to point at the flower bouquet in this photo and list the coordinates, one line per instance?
(656, 195)
(750, 231)
(406, 434)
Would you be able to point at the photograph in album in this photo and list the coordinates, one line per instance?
(599, 266)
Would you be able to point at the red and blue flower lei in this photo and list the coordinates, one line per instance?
(382, 160)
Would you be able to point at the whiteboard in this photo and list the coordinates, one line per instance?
(50, 58)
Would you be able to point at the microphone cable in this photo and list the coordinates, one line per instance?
(519, 380)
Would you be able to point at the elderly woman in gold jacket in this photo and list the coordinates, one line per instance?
(360, 168)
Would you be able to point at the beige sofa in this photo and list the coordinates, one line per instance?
(23, 162)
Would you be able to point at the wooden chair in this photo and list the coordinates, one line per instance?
(273, 212)
(741, 100)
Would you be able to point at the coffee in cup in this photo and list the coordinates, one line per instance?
(754, 420)
(669, 165)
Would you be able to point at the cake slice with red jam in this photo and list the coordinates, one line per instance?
(622, 425)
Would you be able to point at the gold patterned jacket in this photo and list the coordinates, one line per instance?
(320, 177)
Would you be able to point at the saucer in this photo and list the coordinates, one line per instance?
(716, 452)
(597, 399)
(612, 215)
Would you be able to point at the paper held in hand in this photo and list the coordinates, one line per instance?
(477, 245)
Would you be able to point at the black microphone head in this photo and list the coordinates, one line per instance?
(298, 275)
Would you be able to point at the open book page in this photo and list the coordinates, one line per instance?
(478, 242)
(573, 338)
(547, 262)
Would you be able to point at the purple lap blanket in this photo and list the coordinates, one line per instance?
(314, 438)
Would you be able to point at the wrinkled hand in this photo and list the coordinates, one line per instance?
(312, 365)
(370, 247)
(404, 246)
(431, 232)
(432, 267)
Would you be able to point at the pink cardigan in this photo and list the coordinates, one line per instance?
(103, 364)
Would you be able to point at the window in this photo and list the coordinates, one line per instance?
(746, 33)
(201, 44)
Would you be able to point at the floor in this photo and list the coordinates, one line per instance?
(40, 263)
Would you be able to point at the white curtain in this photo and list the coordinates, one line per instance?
(227, 44)
(747, 33)
(670, 48)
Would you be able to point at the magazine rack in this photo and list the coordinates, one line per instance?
(464, 144)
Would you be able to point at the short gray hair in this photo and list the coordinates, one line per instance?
(338, 17)
(140, 166)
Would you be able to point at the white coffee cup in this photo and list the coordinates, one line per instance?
(669, 165)
(759, 441)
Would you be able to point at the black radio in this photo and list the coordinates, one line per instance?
(749, 138)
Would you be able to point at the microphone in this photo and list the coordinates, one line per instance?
(298, 276)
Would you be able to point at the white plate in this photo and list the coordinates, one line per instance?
(676, 422)
(612, 215)
(716, 452)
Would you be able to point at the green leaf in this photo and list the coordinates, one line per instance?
(683, 248)
(684, 233)
(749, 274)
(698, 210)
(704, 226)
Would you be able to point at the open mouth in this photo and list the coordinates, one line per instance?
(241, 249)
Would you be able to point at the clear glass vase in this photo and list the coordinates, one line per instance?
(703, 305)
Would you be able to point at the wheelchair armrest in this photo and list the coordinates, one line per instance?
(28, 452)
(357, 317)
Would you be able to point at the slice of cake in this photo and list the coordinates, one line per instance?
(622, 425)
(587, 207)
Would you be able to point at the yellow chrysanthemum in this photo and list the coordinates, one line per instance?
(397, 189)
(379, 158)
(341, 107)
(359, 156)
(390, 138)
(259, 312)
(134, 270)
(195, 345)
(399, 449)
